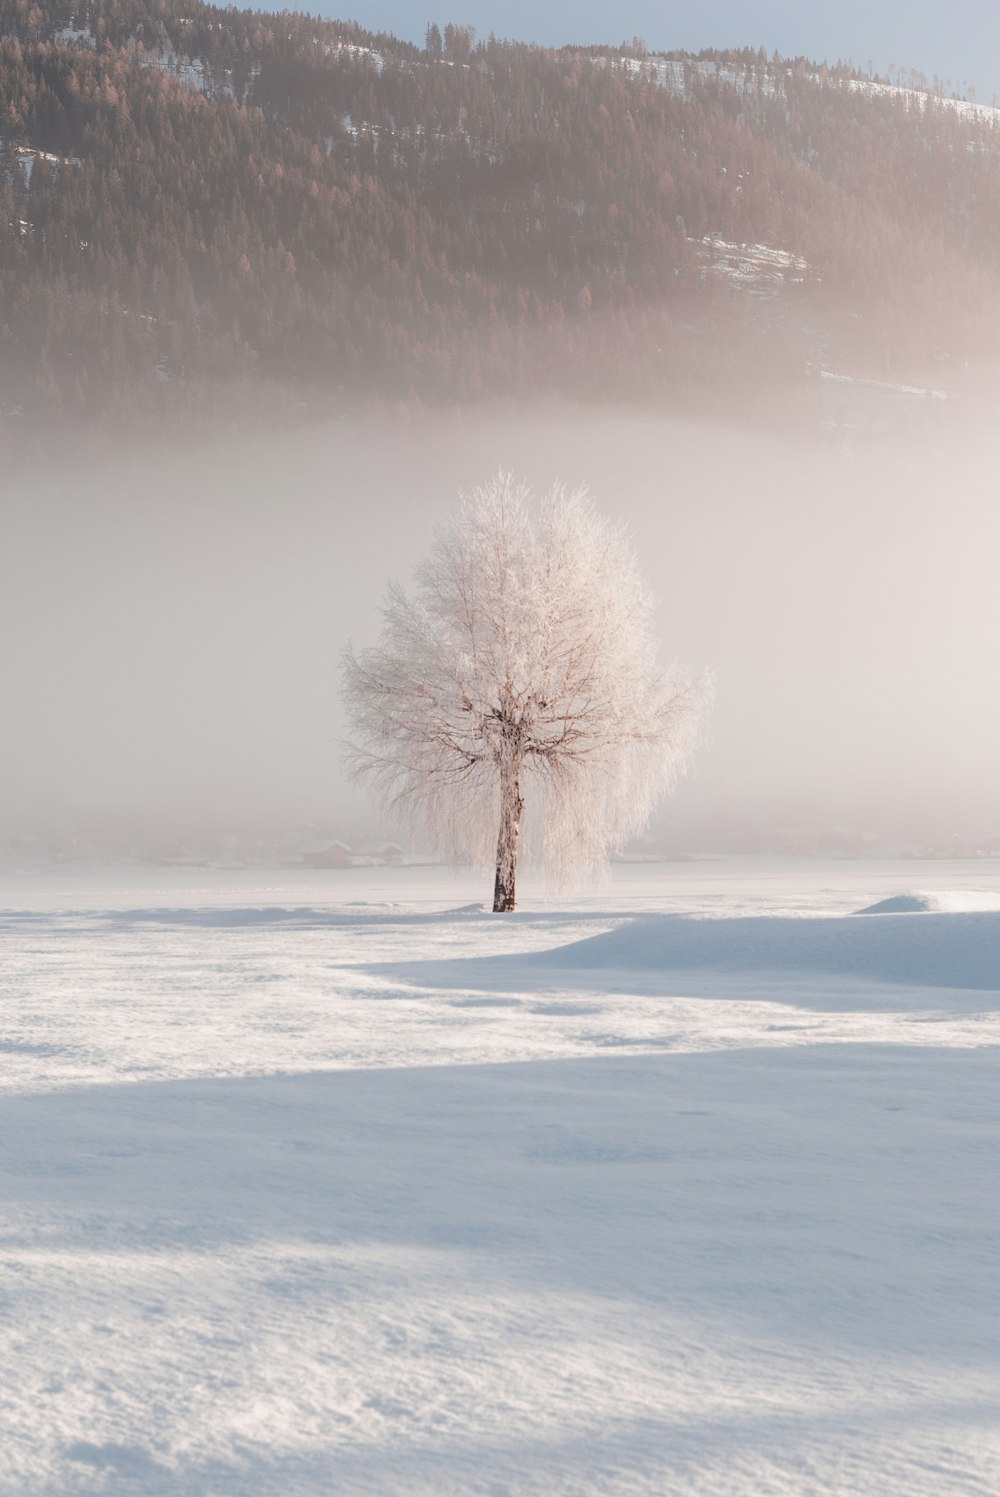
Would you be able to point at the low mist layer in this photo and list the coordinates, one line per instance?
(174, 620)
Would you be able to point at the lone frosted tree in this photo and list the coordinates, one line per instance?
(515, 696)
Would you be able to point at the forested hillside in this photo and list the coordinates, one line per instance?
(201, 205)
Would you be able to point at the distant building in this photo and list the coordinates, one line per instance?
(325, 854)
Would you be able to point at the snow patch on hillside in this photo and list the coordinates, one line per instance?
(922, 99)
(677, 75)
(759, 269)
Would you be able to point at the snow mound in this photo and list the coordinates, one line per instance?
(955, 902)
(947, 950)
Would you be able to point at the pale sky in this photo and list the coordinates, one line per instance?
(960, 41)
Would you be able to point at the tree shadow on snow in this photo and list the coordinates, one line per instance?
(844, 1191)
(828, 964)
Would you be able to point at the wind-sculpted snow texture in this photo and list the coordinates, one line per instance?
(316, 1184)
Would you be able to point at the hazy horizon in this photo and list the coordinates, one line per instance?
(180, 618)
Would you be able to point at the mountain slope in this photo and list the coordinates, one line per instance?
(197, 200)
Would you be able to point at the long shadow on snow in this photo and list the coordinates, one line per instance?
(842, 1194)
(661, 954)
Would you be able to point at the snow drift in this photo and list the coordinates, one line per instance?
(947, 902)
(944, 950)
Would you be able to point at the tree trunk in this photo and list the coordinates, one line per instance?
(511, 806)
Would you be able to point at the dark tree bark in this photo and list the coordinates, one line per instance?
(511, 807)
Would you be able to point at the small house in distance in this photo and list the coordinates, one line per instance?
(323, 853)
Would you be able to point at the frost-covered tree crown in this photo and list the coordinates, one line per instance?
(522, 667)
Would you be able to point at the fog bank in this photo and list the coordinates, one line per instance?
(173, 620)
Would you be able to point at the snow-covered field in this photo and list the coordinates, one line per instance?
(324, 1184)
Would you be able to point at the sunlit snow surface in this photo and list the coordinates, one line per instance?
(312, 1187)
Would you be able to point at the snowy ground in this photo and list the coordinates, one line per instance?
(310, 1186)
